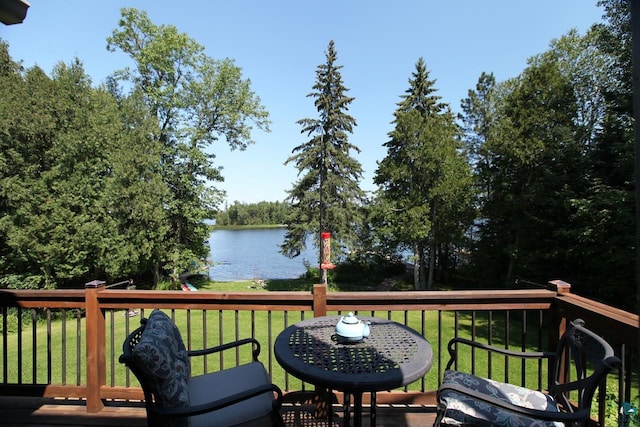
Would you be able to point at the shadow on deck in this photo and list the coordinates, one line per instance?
(42, 412)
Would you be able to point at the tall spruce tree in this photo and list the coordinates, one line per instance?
(327, 197)
(424, 197)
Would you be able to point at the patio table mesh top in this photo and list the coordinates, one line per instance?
(392, 356)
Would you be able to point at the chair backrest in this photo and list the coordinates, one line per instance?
(127, 357)
(156, 355)
(582, 360)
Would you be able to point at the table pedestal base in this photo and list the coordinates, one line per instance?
(357, 409)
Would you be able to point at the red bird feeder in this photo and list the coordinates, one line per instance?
(326, 251)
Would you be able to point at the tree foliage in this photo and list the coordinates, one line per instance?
(196, 100)
(424, 201)
(327, 197)
(79, 200)
(553, 155)
(106, 182)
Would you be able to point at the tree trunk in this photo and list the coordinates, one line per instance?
(423, 268)
(512, 262)
(419, 267)
(416, 266)
(156, 275)
(432, 263)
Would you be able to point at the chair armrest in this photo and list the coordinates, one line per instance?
(189, 411)
(521, 354)
(532, 413)
(255, 352)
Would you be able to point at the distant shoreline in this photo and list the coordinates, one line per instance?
(247, 227)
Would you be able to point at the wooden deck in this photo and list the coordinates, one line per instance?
(41, 412)
(91, 321)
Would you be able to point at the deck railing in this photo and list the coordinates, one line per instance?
(67, 342)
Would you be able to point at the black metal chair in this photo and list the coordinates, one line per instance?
(581, 361)
(238, 396)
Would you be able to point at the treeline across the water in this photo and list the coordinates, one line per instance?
(262, 213)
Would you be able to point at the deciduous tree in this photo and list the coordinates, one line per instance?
(196, 101)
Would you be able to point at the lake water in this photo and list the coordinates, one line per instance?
(254, 254)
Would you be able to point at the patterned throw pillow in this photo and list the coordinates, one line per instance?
(464, 410)
(163, 359)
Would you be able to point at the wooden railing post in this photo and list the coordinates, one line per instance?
(558, 319)
(96, 352)
(319, 300)
(557, 327)
(322, 395)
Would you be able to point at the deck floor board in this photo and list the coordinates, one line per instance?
(40, 412)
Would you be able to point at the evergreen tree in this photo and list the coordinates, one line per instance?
(536, 169)
(424, 196)
(479, 114)
(133, 194)
(606, 217)
(327, 197)
(80, 197)
(480, 118)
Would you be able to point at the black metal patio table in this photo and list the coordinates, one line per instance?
(392, 356)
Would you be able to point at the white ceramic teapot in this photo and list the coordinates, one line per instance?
(351, 330)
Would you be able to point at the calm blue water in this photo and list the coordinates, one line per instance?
(254, 254)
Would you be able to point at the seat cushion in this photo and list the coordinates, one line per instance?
(465, 410)
(217, 385)
(162, 359)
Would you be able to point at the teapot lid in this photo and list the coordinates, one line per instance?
(350, 319)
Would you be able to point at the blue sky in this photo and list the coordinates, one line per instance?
(279, 45)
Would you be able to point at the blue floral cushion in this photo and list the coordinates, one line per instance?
(463, 410)
(162, 358)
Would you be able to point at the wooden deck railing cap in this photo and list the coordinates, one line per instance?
(95, 284)
(560, 286)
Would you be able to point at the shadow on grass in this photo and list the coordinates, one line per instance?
(306, 284)
(301, 284)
